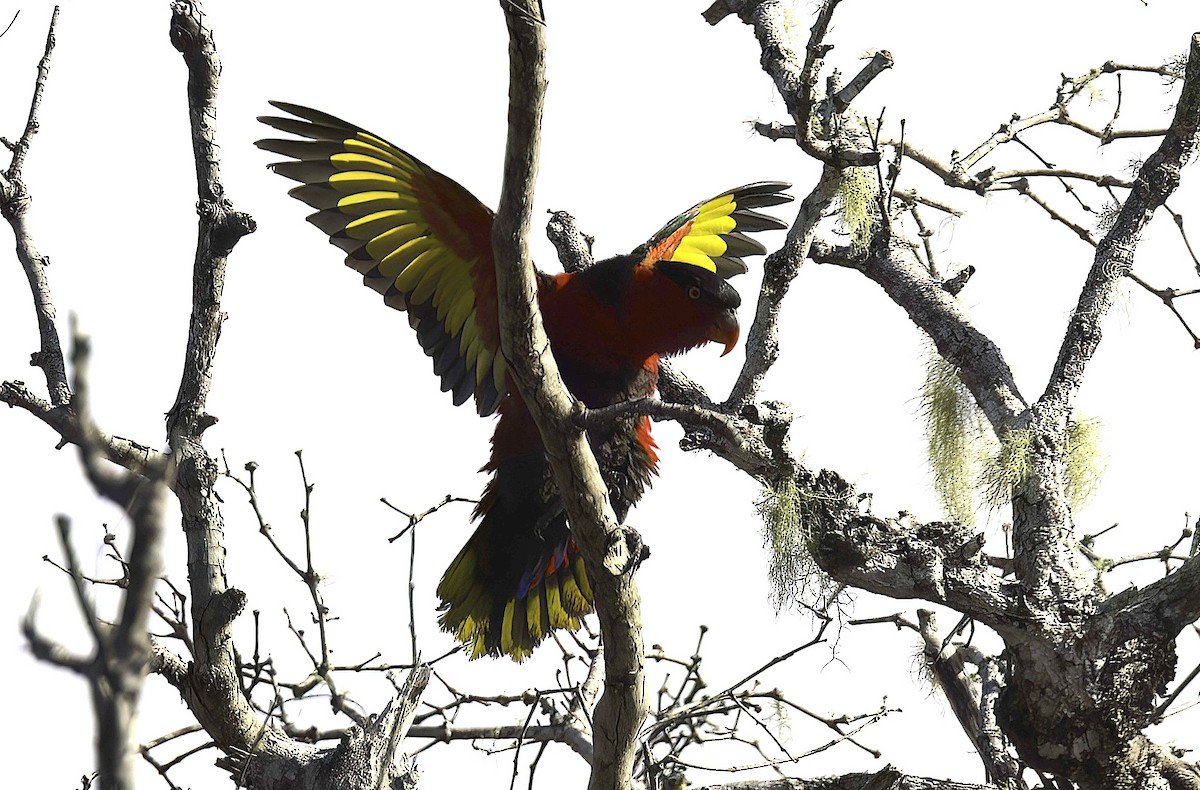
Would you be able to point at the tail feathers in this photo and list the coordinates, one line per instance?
(493, 615)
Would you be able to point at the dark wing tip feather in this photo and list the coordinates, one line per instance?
(761, 194)
(738, 244)
(305, 171)
(332, 222)
(303, 150)
(395, 300)
(269, 144)
(763, 200)
(313, 131)
(349, 246)
(465, 387)
(763, 187)
(319, 196)
(379, 285)
(487, 400)
(753, 221)
(730, 267)
(445, 360)
(309, 114)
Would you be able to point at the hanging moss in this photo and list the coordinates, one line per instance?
(954, 432)
(781, 716)
(1011, 466)
(789, 519)
(1085, 461)
(858, 195)
(779, 509)
(1008, 468)
(965, 457)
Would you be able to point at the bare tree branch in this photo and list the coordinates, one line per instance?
(576, 475)
(14, 206)
(1157, 180)
(210, 683)
(124, 452)
(964, 692)
(563, 733)
(213, 692)
(893, 780)
(1045, 616)
(982, 364)
(795, 77)
(122, 651)
(15, 199)
(779, 269)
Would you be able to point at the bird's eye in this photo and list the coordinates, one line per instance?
(694, 292)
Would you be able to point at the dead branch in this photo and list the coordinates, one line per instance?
(14, 205)
(122, 653)
(576, 475)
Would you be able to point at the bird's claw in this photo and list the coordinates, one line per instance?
(626, 551)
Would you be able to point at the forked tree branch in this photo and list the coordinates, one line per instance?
(14, 206)
(212, 692)
(779, 269)
(57, 412)
(261, 756)
(1157, 179)
(121, 654)
(209, 683)
(795, 76)
(1043, 615)
(982, 365)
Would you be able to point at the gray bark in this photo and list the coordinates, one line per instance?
(1083, 667)
(621, 709)
(258, 754)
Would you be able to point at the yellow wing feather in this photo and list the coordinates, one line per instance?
(416, 236)
(711, 234)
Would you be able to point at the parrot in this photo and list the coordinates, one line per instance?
(424, 243)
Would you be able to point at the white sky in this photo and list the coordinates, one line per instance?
(647, 113)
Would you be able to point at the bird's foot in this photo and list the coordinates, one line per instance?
(626, 551)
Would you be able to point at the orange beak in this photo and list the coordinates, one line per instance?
(725, 330)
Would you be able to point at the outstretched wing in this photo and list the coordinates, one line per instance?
(416, 236)
(711, 234)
